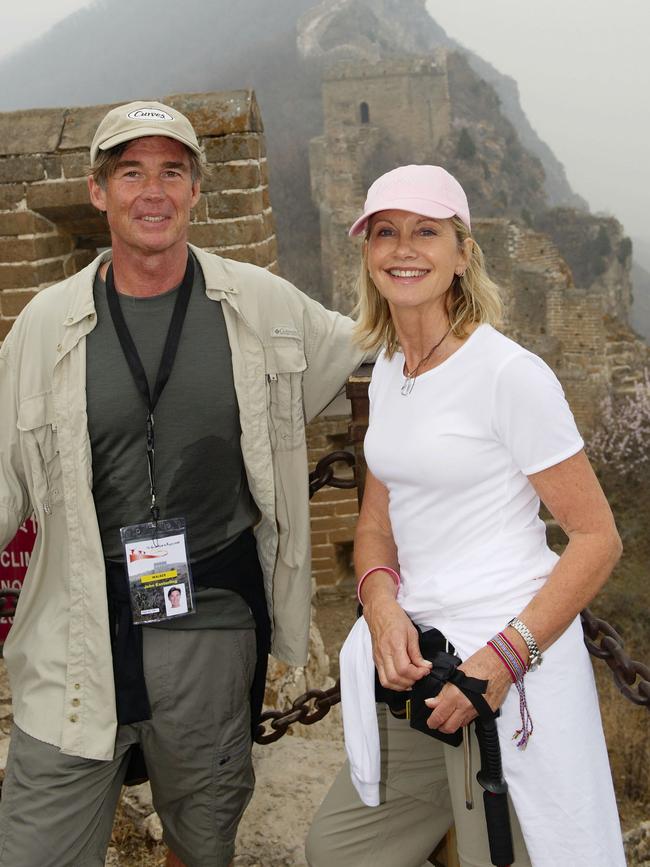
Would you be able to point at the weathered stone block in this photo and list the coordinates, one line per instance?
(80, 126)
(204, 235)
(39, 247)
(221, 113)
(269, 223)
(234, 203)
(30, 132)
(18, 276)
(61, 200)
(222, 149)
(23, 223)
(233, 176)
(260, 254)
(200, 211)
(52, 166)
(76, 165)
(30, 276)
(50, 272)
(13, 301)
(228, 232)
(5, 327)
(92, 226)
(10, 195)
(16, 169)
(264, 173)
(78, 260)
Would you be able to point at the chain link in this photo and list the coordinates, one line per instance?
(308, 708)
(631, 677)
(323, 472)
(8, 602)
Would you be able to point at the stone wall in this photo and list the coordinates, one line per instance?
(48, 228)
(592, 351)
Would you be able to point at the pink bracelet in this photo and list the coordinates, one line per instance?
(393, 574)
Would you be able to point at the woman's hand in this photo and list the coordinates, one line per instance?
(395, 646)
(451, 709)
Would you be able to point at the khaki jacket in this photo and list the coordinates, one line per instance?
(290, 357)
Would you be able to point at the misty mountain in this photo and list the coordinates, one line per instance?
(118, 50)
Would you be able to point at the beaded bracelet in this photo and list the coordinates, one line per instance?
(509, 656)
(393, 574)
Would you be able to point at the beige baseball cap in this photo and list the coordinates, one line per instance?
(138, 119)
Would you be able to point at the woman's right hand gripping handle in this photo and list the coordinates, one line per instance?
(395, 646)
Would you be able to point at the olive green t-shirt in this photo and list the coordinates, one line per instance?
(200, 473)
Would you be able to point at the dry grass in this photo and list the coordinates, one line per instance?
(132, 847)
(628, 742)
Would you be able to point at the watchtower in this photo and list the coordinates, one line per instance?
(376, 116)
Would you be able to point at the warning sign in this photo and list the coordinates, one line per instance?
(14, 561)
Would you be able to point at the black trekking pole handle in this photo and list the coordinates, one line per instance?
(495, 795)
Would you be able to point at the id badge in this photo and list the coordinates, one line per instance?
(158, 569)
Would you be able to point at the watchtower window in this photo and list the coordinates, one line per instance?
(365, 112)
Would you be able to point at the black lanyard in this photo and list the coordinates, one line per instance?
(166, 361)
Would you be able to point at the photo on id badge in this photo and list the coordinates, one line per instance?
(160, 584)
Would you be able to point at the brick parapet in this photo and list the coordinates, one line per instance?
(48, 228)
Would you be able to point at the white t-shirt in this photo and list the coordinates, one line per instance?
(455, 455)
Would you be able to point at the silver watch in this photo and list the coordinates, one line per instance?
(534, 653)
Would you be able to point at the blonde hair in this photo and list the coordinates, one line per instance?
(472, 298)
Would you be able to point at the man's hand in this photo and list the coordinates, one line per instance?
(451, 709)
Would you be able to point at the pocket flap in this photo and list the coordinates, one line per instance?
(36, 411)
(288, 357)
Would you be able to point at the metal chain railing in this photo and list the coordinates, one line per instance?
(602, 641)
(323, 472)
(631, 677)
(308, 708)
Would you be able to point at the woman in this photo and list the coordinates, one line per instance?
(468, 431)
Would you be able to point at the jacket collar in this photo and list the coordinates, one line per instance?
(218, 283)
(81, 284)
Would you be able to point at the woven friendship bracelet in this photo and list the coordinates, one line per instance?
(393, 574)
(511, 659)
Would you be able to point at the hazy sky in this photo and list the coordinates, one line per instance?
(583, 69)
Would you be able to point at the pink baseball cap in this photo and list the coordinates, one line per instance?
(427, 190)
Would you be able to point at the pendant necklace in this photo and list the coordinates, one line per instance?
(409, 375)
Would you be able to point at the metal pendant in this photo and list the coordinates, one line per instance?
(407, 385)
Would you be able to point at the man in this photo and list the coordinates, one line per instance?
(157, 397)
(174, 596)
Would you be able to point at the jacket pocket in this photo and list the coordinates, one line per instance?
(37, 424)
(285, 363)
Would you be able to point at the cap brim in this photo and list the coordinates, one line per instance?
(130, 135)
(412, 205)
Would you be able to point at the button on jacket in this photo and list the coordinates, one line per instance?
(290, 357)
